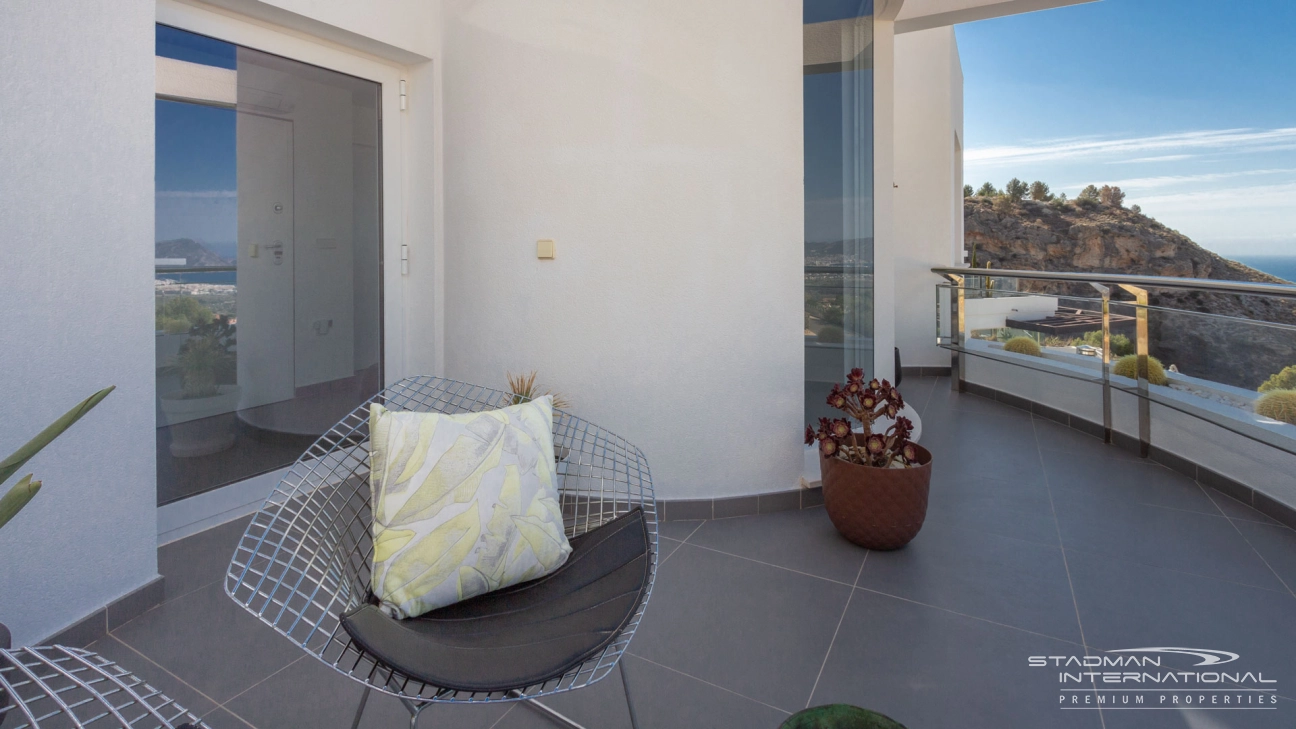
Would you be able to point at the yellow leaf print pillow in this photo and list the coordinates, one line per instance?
(462, 504)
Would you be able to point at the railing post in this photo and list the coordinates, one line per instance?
(958, 307)
(1106, 360)
(1141, 349)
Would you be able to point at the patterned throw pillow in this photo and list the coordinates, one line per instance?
(462, 504)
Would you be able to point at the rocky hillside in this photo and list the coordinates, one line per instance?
(1102, 238)
(195, 253)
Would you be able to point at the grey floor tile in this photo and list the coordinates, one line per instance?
(212, 644)
(1055, 437)
(153, 674)
(1115, 480)
(1180, 540)
(664, 699)
(666, 547)
(944, 399)
(1235, 509)
(1005, 580)
(1127, 605)
(984, 445)
(310, 694)
(201, 559)
(1007, 508)
(677, 530)
(221, 719)
(926, 667)
(1276, 544)
(803, 540)
(758, 630)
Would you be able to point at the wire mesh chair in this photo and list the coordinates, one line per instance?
(306, 558)
(53, 687)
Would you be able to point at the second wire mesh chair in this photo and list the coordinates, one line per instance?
(303, 567)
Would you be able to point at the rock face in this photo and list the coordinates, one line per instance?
(1036, 236)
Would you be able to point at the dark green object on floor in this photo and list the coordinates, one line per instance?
(839, 716)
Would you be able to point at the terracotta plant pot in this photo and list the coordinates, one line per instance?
(877, 508)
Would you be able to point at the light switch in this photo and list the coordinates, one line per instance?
(545, 249)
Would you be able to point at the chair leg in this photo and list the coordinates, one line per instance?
(364, 698)
(625, 685)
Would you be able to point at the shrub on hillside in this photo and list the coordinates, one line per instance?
(1023, 345)
(1089, 193)
(1136, 210)
(1039, 191)
(1120, 344)
(967, 191)
(987, 190)
(1112, 196)
(1285, 380)
(1127, 366)
(1278, 405)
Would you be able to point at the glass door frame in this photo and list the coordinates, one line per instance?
(219, 505)
(289, 44)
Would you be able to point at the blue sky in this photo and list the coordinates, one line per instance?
(1188, 105)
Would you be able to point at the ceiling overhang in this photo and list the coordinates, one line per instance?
(917, 15)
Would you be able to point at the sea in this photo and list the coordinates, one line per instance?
(1283, 267)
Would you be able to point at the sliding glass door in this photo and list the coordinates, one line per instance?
(838, 108)
(267, 258)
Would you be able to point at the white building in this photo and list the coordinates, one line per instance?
(683, 158)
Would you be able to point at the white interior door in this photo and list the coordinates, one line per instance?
(265, 260)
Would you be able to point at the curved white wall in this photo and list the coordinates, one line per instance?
(76, 289)
(660, 145)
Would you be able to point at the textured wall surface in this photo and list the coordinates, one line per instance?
(660, 146)
(76, 292)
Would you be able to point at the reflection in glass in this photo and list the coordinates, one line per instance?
(267, 295)
(838, 108)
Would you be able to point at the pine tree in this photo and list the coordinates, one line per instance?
(967, 191)
(1136, 210)
(987, 190)
(1039, 191)
(1089, 193)
(1016, 190)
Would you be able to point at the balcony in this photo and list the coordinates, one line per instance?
(1040, 541)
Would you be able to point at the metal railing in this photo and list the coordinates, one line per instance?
(1104, 284)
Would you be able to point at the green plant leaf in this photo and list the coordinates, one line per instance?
(17, 497)
(10, 465)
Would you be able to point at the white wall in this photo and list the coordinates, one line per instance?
(76, 259)
(928, 202)
(660, 146)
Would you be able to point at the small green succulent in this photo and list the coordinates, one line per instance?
(839, 716)
(1278, 405)
(1023, 345)
(1127, 366)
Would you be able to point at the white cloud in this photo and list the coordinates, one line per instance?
(197, 193)
(1234, 140)
(1162, 158)
(1270, 197)
(1145, 183)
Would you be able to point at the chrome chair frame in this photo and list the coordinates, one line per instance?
(307, 555)
(55, 686)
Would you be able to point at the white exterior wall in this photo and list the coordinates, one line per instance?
(929, 199)
(661, 148)
(76, 289)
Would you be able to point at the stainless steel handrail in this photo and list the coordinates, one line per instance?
(1286, 291)
(1103, 283)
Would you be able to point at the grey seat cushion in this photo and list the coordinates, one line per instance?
(525, 634)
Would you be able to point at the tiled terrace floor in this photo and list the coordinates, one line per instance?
(1039, 541)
